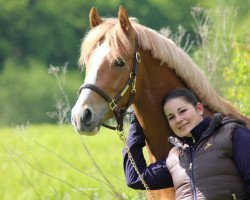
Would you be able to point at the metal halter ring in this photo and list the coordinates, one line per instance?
(138, 57)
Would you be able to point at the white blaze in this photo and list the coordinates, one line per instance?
(97, 58)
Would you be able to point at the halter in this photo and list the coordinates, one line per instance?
(119, 114)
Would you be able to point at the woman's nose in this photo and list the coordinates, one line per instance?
(178, 119)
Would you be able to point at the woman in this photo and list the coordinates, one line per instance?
(209, 160)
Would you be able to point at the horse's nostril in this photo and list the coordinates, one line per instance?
(87, 116)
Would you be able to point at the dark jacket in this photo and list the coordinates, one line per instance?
(157, 175)
(206, 169)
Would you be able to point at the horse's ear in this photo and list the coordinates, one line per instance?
(123, 18)
(94, 18)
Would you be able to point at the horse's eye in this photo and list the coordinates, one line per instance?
(119, 62)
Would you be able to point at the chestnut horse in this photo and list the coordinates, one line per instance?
(108, 52)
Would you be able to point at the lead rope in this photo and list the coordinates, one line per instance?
(124, 139)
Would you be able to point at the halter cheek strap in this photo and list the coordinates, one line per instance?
(119, 114)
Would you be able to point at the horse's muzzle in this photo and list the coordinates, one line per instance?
(84, 122)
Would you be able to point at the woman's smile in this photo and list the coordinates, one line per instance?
(183, 126)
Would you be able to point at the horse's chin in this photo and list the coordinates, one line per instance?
(89, 130)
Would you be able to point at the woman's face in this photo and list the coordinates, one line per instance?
(182, 116)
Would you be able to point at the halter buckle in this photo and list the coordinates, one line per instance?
(112, 105)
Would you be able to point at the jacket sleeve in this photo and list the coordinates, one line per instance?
(155, 175)
(241, 150)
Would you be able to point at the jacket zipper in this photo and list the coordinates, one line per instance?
(192, 172)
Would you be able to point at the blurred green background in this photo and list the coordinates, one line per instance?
(39, 81)
(35, 34)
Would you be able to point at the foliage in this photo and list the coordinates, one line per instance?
(50, 31)
(41, 30)
(51, 162)
(238, 78)
(63, 107)
(221, 54)
(214, 32)
(28, 94)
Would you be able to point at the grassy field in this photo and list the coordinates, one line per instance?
(53, 162)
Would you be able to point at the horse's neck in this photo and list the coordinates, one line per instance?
(156, 82)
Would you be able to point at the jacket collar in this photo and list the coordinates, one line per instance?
(204, 129)
(197, 132)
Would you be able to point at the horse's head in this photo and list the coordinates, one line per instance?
(108, 53)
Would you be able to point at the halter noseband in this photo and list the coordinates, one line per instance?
(119, 114)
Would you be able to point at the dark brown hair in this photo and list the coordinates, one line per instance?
(185, 93)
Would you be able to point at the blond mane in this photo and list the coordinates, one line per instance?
(161, 48)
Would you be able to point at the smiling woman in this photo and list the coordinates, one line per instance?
(195, 166)
(184, 113)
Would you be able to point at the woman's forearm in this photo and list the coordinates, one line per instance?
(155, 175)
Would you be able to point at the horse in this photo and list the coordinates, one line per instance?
(128, 63)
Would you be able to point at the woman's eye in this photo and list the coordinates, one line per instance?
(119, 62)
(182, 111)
(170, 118)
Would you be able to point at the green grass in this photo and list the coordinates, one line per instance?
(52, 162)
